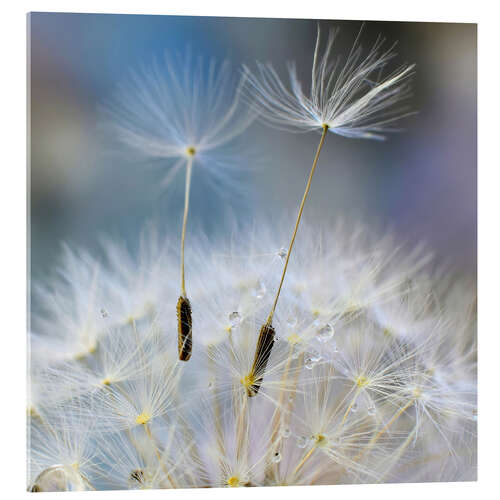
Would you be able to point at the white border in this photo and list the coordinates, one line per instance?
(13, 212)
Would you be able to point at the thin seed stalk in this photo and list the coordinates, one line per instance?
(380, 433)
(278, 418)
(158, 455)
(267, 328)
(399, 453)
(184, 318)
(189, 169)
(297, 222)
(242, 428)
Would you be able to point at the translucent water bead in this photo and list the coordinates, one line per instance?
(282, 253)
(59, 478)
(311, 360)
(286, 432)
(277, 457)
(325, 333)
(260, 289)
(309, 363)
(302, 441)
(234, 319)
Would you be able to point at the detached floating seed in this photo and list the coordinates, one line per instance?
(262, 352)
(184, 328)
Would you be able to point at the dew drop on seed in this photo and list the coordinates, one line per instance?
(301, 441)
(291, 321)
(260, 290)
(211, 385)
(309, 363)
(336, 440)
(354, 408)
(104, 313)
(234, 319)
(325, 333)
(286, 432)
(371, 410)
(277, 457)
(282, 253)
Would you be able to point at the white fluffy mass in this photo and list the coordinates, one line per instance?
(372, 377)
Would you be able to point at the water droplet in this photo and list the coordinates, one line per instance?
(234, 319)
(282, 253)
(371, 410)
(211, 385)
(277, 457)
(354, 408)
(291, 321)
(302, 441)
(325, 333)
(59, 478)
(286, 432)
(316, 358)
(335, 440)
(291, 399)
(309, 363)
(260, 290)
(104, 313)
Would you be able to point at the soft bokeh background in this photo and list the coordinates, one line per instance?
(420, 183)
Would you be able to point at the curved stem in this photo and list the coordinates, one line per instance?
(189, 168)
(304, 460)
(297, 222)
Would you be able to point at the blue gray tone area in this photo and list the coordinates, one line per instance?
(420, 182)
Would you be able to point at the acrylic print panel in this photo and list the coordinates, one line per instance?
(252, 252)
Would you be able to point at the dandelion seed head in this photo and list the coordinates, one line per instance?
(374, 406)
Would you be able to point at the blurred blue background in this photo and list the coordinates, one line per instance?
(421, 183)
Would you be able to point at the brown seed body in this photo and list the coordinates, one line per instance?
(184, 328)
(262, 352)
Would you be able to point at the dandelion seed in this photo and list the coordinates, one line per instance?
(263, 350)
(340, 102)
(185, 329)
(174, 114)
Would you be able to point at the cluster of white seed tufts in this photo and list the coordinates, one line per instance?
(363, 372)
(372, 377)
